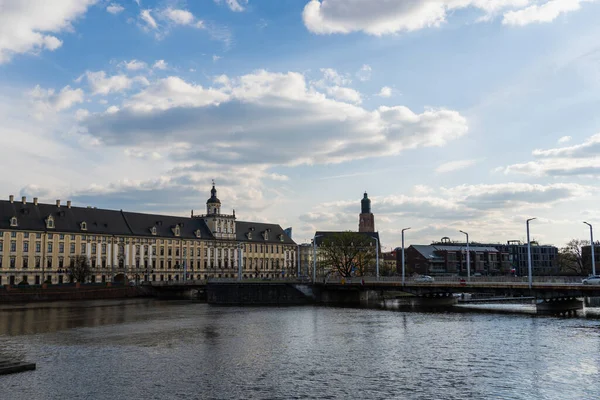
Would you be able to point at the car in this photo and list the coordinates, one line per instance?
(591, 280)
(424, 278)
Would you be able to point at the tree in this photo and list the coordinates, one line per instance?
(345, 252)
(570, 257)
(79, 270)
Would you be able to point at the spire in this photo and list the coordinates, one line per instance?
(213, 194)
(365, 204)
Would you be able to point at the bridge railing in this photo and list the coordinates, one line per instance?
(456, 279)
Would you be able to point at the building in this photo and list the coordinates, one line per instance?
(451, 258)
(486, 258)
(305, 251)
(39, 241)
(586, 257)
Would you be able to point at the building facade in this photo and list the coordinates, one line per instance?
(38, 242)
(366, 219)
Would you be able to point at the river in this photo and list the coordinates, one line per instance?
(149, 349)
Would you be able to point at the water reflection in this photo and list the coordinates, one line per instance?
(152, 349)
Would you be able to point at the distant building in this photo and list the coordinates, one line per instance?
(544, 258)
(586, 257)
(366, 219)
(305, 251)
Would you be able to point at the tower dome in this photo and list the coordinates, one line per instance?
(213, 196)
(365, 204)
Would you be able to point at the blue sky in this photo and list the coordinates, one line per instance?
(453, 114)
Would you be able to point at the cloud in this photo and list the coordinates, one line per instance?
(455, 166)
(364, 73)
(546, 12)
(101, 84)
(47, 99)
(160, 64)
(135, 65)
(234, 5)
(385, 91)
(148, 19)
(265, 118)
(344, 94)
(115, 8)
(179, 17)
(216, 58)
(332, 76)
(384, 17)
(564, 139)
(29, 26)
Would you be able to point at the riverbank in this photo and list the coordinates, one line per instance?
(68, 292)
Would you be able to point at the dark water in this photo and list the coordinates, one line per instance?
(159, 350)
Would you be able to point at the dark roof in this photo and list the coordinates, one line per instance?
(322, 235)
(31, 217)
(276, 233)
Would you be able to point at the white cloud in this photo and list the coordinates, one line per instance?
(101, 84)
(148, 19)
(179, 17)
(216, 58)
(115, 8)
(364, 73)
(385, 91)
(29, 26)
(332, 76)
(577, 160)
(344, 94)
(265, 118)
(47, 99)
(546, 12)
(564, 139)
(135, 65)
(455, 166)
(384, 17)
(160, 64)
(234, 5)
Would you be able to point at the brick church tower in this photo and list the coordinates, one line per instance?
(366, 222)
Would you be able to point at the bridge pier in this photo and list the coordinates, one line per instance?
(563, 306)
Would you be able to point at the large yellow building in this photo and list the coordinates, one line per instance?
(39, 241)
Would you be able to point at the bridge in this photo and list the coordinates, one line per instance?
(552, 294)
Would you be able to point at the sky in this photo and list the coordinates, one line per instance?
(470, 115)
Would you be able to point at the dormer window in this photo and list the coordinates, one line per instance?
(266, 235)
(249, 235)
(153, 230)
(50, 222)
(281, 238)
(177, 230)
(198, 233)
(83, 226)
(13, 222)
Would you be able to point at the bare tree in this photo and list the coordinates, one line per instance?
(345, 252)
(570, 257)
(79, 269)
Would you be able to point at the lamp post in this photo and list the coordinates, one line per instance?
(405, 229)
(377, 256)
(298, 255)
(468, 257)
(240, 264)
(592, 248)
(530, 280)
(315, 257)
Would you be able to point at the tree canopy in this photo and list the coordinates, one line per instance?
(348, 254)
(79, 269)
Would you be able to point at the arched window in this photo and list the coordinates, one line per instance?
(13, 221)
(83, 226)
(50, 222)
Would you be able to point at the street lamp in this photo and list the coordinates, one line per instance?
(468, 257)
(315, 258)
(377, 256)
(592, 248)
(405, 229)
(529, 253)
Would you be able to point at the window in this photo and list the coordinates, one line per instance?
(94, 248)
(61, 236)
(162, 251)
(176, 252)
(38, 235)
(84, 226)
(25, 247)
(13, 222)
(170, 252)
(61, 247)
(13, 234)
(37, 263)
(25, 262)
(49, 263)
(72, 249)
(38, 247)
(12, 262)
(1, 246)
(49, 247)
(82, 248)
(103, 248)
(72, 237)
(13, 245)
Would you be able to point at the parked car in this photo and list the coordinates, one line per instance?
(591, 280)
(424, 278)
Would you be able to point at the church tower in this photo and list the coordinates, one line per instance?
(222, 226)
(366, 222)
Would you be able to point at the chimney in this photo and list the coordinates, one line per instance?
(68, 203)
(11, 198)
(23, 199)
(35, 201)
(57, 203)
